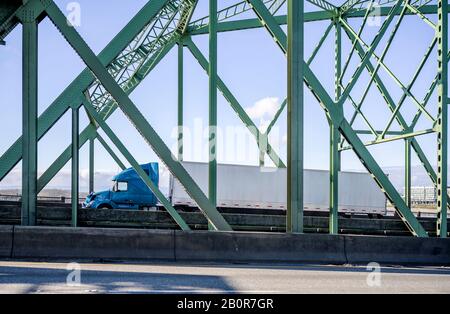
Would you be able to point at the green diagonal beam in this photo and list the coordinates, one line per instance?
(276, 117)
(71, 94)
(364, 155)
(399, 117)
(90, 131)
(348, 5)
(427, 98)
(110, 151)
(320, 44)
(252, 23)
(325, 5)
(310, 60)
(336, 116)
(274, 29)
(133, 162)
(136, 118)
(369, 53)
(411, 84)
(360, 30)
(248, 122)
(392, 75)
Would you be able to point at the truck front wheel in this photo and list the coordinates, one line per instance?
(104, 206)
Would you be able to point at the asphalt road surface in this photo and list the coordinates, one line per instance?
(30, 277)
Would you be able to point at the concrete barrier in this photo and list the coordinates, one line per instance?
(397, 250)
(87, 243)
(6, 241)
(130, 244)
(258, 247)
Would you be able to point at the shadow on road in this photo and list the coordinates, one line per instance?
(37, 279)
(331, 268)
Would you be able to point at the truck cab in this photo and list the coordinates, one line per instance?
(128, 191)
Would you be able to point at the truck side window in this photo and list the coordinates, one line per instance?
(122, 187)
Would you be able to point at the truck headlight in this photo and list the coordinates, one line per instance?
(89, 205)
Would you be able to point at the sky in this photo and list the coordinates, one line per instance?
(251, 65)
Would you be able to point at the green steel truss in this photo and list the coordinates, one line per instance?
(104, 86)
(355, 5)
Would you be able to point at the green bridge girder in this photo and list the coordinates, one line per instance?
(8, 18)
(109, 78)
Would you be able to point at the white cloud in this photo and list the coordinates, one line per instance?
(264, 109)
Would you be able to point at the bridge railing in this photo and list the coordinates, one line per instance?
(44, 199)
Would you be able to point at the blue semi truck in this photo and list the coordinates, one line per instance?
(128, 192)
(243, 187)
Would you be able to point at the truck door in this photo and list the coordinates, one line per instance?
(121, 195)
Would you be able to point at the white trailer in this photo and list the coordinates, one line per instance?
(265, 188)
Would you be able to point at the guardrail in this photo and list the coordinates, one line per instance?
(45, 199)
(60, 215)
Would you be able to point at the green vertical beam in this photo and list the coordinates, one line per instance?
(338, 70)
(180, 100)
(334, 179)
(212, 182)
(75, 164)
(136, 118)
(335, 154)
(212, 158)
(295, 54)
(234, 103)
(408, 172)
(91, 165)
(29, 122)
(442, 125)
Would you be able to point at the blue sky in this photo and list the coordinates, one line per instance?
(251, 65)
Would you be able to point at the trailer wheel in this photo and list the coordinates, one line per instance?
(185, 209)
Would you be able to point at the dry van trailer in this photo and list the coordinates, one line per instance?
(249, 187)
